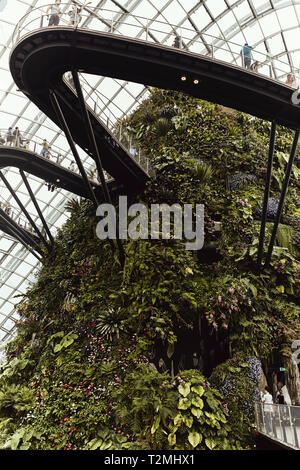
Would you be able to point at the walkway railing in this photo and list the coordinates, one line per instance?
(30, 141)
(280, 423)
(15, 215)
(155, 31)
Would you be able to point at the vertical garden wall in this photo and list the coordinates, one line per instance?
(166, 351)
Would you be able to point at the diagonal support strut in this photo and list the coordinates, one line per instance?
(67, 132)
(36, 206)
(266, 196)
(91, 135)
(282, 197)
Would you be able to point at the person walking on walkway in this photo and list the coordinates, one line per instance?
(54, 13)
(7, 208)
(291, 81)
(246, 56)
(45, 149)
(280, 398)
(17, 137)
(72, 167)
(268, 410)
(176, 42)
(9, 136)
(254, 66)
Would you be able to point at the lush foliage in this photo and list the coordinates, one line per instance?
(237, 379)
(82, 372)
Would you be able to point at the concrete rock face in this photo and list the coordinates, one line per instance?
(293, 381)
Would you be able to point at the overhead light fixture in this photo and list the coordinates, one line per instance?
(183, 78)
(58, 181)
(196, 81)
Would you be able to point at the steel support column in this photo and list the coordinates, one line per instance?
(65, 128)
(36, 206)
(282, 197)
(91, 135)
(266, 196)
(24, 210)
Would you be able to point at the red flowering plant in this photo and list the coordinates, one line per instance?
(245, 311)
(228, 303)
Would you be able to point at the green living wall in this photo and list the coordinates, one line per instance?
(98, 360)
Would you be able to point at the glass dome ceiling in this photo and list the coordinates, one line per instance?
(272, 26)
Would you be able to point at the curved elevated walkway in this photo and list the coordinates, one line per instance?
(38, 63)
(41, 57)
(49, 171)
(39, 60)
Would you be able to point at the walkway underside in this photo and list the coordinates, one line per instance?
(40, 59)
(49, 171)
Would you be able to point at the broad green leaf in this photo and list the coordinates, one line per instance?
(172, 439)
(178, 420)
(28, 435)
(198, 389)
(197, 402)
(106, 445)
(60, 360)
(68, 342)
(95, 443)
(25, 446)
(196, 412)
(188, 420)
(184, 404)
(194, 438)
(211, 444)
(184, 389)
(15, 440)
(58, 347)
(23, 363)
(222, 418)
(155, 425)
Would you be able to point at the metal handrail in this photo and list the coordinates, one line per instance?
(31, 142)
(279, 422)
(13, 213)
(106, 21)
